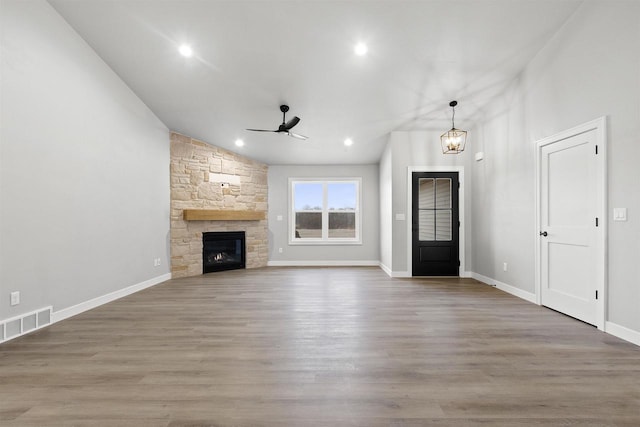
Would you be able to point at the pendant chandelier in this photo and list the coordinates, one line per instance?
(454, 140)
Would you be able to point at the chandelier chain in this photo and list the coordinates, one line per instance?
(453, 116)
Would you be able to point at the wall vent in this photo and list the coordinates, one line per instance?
(25, 323)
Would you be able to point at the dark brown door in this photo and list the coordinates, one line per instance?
(435, 224)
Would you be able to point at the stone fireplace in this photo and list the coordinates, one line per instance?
(214, 190)
(223, 250)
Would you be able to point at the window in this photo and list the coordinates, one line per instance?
(325, 211)
(434, 209)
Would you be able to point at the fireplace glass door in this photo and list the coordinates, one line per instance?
(223, 251)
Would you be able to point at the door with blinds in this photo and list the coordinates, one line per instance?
(435, 224)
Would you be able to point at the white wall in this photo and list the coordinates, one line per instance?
(591, 68)
(386, 211)
(84, 176)
(367, 252)
(503, 196)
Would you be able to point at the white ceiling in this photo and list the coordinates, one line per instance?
(252, 56)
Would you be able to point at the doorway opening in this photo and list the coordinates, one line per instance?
(436, 250)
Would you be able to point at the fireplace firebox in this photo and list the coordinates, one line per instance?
(223, 250)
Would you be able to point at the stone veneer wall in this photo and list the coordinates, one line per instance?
(191, 163)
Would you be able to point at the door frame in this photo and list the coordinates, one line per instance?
(600, 127)
(462, 271)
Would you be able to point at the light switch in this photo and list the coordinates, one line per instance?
(279, 217)
(399, 217)
(619, 214)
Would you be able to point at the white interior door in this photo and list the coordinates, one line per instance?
(569, 226)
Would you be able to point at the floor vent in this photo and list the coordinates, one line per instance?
(25, 323)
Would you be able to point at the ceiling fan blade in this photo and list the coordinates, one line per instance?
(295, 135)
(285, 127)
(263, 130)
(291, 123)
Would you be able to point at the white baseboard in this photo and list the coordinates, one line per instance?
(323, 263)
(390, 273)
(622, 332)
(406, 274)
(386, 269)
(65, 313)
(527, 296)
(394, 274)
(401, 274)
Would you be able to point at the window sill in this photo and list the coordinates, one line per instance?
(325, 243)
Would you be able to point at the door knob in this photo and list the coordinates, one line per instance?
(543, 233)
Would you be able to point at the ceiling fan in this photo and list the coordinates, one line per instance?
(285, 127)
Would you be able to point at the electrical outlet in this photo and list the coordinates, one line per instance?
(279, 250)
(504, 266)
(156, 262)
(15, 298)
(159, 261)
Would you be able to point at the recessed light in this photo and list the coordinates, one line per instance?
(360, 49)
(348, 142)
(239, 143)
(185, 50)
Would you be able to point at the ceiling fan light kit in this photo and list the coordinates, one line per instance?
(453, 141)
(285, 127)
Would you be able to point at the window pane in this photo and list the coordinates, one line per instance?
(325, 211)
(443, 225)
(426, 194)
(426, 225)
(341, 196)
(342, 225)
(308, 225)
(443, 193)
(307, 196)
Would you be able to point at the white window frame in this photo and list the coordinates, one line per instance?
(325, 239)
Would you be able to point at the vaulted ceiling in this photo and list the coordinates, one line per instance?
(251, 56)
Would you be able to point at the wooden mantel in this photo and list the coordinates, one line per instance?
(222, 215)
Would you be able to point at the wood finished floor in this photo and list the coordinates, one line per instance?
(319, 346)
